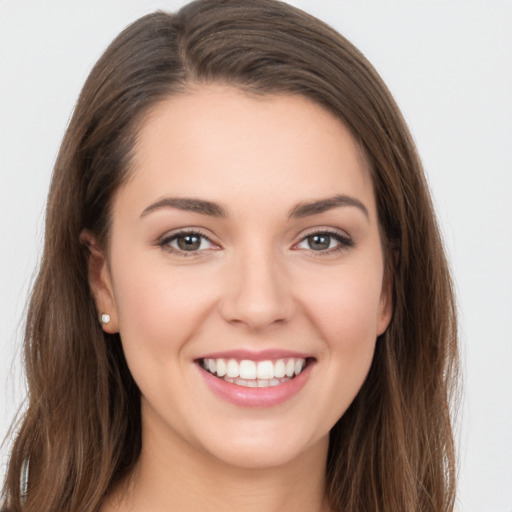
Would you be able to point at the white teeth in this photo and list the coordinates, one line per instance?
(255, 374)
(256, 383)
(233, 369)
(279, 369)
(221, 367)
(247, 369)
(265, 370)
(290, 367)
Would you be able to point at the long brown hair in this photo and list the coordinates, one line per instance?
(81, 433)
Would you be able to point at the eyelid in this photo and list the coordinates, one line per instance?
(165, 240)
(344, 239)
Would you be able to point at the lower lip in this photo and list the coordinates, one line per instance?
(256, 397)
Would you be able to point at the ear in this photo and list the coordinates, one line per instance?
(100, 282)
(386, 299)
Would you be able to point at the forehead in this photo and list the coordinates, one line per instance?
(220, 143)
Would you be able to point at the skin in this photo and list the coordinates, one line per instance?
(255, 283)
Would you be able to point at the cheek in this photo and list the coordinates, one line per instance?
(157, 309)
(345, 307)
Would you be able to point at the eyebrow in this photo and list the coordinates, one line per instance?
(307, 208)
(303, 209)
(188, 204)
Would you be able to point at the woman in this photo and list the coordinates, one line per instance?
(243, 301)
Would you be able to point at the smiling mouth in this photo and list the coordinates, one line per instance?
(255, 374)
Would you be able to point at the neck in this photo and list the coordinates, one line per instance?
(172, 475)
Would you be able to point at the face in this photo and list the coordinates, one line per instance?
(245, 274)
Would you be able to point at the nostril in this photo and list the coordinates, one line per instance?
(256, 315)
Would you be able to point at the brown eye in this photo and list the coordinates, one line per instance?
(186, 242)
(319, 242)
(325, 242)
(189, 242)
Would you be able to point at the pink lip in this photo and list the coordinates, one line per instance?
(255, 397)
(262, 355)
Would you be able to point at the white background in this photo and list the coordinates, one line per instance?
(448, 64)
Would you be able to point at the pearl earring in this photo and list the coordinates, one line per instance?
(105, 319)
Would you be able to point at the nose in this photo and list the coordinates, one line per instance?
(258, 291)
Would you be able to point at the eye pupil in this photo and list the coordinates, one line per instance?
(189, 242)
(319, 242)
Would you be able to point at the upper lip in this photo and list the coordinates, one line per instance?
(253, 355)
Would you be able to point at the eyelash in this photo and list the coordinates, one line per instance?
(165, 242)
(344, 242)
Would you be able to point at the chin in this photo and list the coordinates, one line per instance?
(266, 451)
